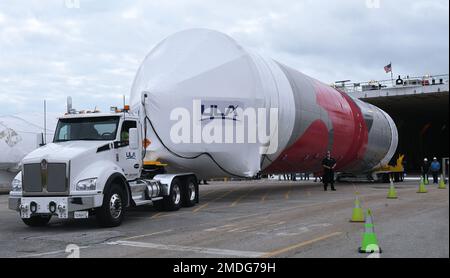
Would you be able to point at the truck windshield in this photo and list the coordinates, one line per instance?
(89, 128)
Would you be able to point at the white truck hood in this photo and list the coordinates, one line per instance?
(63, 151)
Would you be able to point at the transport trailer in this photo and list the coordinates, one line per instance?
(191, 89)
(383, 174)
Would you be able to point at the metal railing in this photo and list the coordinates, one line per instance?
(402, 82)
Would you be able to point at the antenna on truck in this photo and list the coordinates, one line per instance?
(125, 110)
(69, 105)
(44, 141)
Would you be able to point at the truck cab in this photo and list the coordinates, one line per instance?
(95, 166)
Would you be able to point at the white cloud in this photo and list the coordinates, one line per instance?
(2, 18)
(132, 13)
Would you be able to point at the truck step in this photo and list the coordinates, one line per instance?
(142, 202)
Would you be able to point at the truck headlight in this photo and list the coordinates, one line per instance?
(87, 184)
(16, 185)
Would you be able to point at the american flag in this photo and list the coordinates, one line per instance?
(388, 68)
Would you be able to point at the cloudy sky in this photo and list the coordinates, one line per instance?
(91, 49)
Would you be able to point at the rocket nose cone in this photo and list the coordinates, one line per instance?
(181, 57)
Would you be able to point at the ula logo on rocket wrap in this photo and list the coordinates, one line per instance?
(220, 121)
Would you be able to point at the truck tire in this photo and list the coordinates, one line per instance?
(110, 214)
(190, 192)
(37, 220)
(173, 201)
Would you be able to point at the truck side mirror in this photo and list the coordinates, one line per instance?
(39, 140)
(134, 138)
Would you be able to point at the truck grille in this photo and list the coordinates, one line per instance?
(49, 179)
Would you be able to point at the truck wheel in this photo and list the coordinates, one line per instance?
(190, 192)
(173, 201)
(37, 220)
(110, 214)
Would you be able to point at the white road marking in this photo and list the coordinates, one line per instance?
(49, 253)
(219, 228)
(203, 250)
(146, 235)
(301, 244)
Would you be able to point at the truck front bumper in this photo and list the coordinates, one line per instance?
(63, 207)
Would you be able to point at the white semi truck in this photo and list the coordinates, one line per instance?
(95, 166)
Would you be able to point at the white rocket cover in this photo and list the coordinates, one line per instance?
(18, 137)
(203, 67)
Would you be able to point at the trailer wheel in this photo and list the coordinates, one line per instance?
(110, 214)
(173, 201)
(190, 192)
(37, 220)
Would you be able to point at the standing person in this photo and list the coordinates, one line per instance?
(306, 176)
(328, 164)
(435, 169)
(425, 170)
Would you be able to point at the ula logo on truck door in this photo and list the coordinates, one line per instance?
(130, 155)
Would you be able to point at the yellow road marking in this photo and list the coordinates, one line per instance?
(218, 198)
(299, 245)
(286, 196)
(156, 215)
(242, 197)
(207, 193)
(200, 207)
(263, 199)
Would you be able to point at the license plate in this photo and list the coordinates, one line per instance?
(81, 214)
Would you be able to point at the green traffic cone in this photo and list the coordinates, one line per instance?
(442, 183)
(392, 194)
(422, 187)
(358, 214)
(369, 243)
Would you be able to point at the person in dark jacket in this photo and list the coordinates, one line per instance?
(328, 164)
(435, 169)
(425, 170)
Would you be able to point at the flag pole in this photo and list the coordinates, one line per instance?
(392, 75)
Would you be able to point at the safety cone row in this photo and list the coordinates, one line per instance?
(442, 183)
(392, 193)
(358, 214)
(369, 243)
(422, 187)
